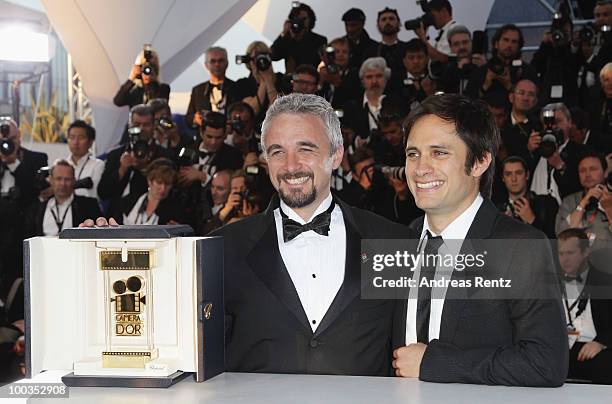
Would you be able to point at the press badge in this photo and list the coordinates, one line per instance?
(572, 336)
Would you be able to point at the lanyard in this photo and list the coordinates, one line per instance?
(142, 211)
(56, 214)
(82, 168)
(580, 301)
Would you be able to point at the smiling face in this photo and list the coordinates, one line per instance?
(298, 152)
(435, 169)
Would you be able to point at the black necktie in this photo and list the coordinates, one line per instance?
(320, 224)
(439, 35)
(428, 271)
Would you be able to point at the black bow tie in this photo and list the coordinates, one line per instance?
(204, 154)
(439, 35)
(217, 86)
(320, 224)
(568, 278)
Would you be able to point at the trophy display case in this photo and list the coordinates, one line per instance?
(131, 306)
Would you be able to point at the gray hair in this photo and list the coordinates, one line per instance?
(307, 104)
(214, 49)
(140, 109)
(458, 29)
(375, 63)
(606, 69)
(557, 106)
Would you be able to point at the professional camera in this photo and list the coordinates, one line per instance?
(297, 25)
(398, 173)
(213, 119)
(496, 65)
(147, 68)
(137, 145)
(330, 56)
(188, 157)
(556, 30)
(237, 125)
(609, 181)
(40, 179)
(426, 19)
(263, 61)
(587, 33)
(164, 122)
(551, 138)
(480, 43)
(7, 146)
(84, 183)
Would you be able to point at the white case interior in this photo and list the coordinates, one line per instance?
(67, 305)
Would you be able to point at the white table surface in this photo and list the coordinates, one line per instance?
(276, 388)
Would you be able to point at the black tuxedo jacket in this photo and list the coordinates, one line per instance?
(130, 94)
(82, 208)
(266, 327)
(515, 342)
(168, 209)
(25, 174)
(200, 98)
(357, 116)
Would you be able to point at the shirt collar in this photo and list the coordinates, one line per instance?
(447, 25)
(365, 100)
(67, 202)
(458, 228)
(79, 161)
(514, 121)
(294, 216)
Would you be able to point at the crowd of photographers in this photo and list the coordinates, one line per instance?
(205, 169)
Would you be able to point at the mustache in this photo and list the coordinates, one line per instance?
(294, 175)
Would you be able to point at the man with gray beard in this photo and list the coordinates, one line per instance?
(292, 273)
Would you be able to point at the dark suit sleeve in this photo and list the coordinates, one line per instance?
(539, 354)
(123, 95)
(164, 91)
(110, 185)
(280, 47)
(191, 109)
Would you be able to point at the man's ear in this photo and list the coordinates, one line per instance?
(337, 157)
(480, 166)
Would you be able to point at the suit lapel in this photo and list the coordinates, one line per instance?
(352, 272)
(267, 263)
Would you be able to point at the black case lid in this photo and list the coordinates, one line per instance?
(127, 232)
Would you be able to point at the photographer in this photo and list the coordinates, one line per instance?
(537, 210)
(305, 80)
(63, 209)
(159, 204)
(556, 64)
(88, 168)
(297, 44)
(143, 83)
(362, 116)
(233, 206)
(339, 81)
(556, 156)
(357, 37)
(123, 172)
(590, 208)
(520, 134)
(165, 130)
(213, 154)
(241, 131)
(389, 148)
(460, 67)
(417, 84)
(600, 107)
(261, 87)
(216, 93)
(603, 37)
(440, 15)
(505, 67)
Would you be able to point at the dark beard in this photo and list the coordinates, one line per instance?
(297, 199)
(389, 29)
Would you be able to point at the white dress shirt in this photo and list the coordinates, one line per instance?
(87, 166)
(204, 165)
(442, 45)
(374, 111)
(455, 231)
(315, 262)
(584, 322)
(540, 184)
(8, 180)
(138, 214)
(57, 217)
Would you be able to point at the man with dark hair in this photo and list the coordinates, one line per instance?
(417, 84)
(216, 93)
(81, 136)
(359, 40)
(505, 67)
(125, 165)
(586, 294)
(390, 47)
(166, 131)
(442, 14)
(241, 132)
(539, 211)
(297, 44)
(509, 337)
(305, 80)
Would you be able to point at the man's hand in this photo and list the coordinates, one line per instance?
(407, 360)
(523, 210)
(197, 118)
(188, 175)
(135, 72)
(589, 350)
(606, 203)
(478, 59)
(234, 201)
(504, 79)
(45, 193)
(100, 222)
(420, 33)
(534, 141)
(286, 29)
(556, 161)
